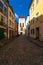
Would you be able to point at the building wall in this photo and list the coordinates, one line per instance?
(16, 28)
(41, 31)
(3, 12)
(10, 18)
(37, 9)
(3, 16)
(36, 18)
(11, 23)
(21, 28)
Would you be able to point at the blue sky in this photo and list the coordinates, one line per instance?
(20, 7)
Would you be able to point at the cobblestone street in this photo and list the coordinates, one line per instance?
(21, 52)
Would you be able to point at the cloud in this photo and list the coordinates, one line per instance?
(16, 15)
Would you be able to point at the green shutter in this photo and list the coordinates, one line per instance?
(1, 33)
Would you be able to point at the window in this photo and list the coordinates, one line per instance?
(10, 22)
(1, 5)
(33, 7)
(37, 18)
(21, 29)
(37, 15)
(4, 20)
(37, 1)
(5, 11)
(10, 14)
(29, 21)
(32, 31)
(1, 19)
(32, 21)
(23, 24)
(20, 24)
(13, 18)
(5, 1)
(30, 10)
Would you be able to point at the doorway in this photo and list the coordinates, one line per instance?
(21, 33)
(37, 33)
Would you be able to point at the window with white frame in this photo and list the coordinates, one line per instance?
(37, 15)
(31, 10)
(33, 7)
(32, 21)
(37, 1)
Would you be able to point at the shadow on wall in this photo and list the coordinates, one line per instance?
(27, 31)
(38, 22)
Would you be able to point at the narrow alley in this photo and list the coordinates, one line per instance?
(21, 52)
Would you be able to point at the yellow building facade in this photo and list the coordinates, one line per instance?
(11, 23)
(36, 19)
(3, 18)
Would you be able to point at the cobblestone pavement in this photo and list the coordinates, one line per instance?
(21, 52)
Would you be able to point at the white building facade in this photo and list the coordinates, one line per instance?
(21, 25)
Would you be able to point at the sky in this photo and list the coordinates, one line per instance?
(20, 7)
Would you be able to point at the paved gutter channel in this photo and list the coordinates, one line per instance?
(36, 42)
